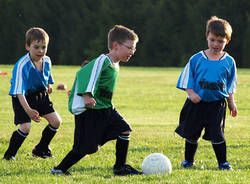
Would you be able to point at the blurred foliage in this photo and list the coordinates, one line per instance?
(170, 31)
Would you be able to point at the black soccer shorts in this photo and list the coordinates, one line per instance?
(39, 101)
(195, 117)
(95, 127)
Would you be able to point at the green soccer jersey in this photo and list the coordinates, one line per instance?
(98, 78)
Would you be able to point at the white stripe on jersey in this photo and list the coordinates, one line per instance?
(185, 76)
(19, 72)
(78, 105)
(95, 73)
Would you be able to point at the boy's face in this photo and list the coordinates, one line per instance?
(216, 44)
(37, 49)
(125, 50)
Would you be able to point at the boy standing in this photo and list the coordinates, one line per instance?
(30, 89)
(208, 78)
(96, 120)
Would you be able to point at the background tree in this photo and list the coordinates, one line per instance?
(170, 31)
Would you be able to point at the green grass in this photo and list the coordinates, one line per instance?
(148, 99)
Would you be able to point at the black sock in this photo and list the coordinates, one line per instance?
(190, 149)
(16, 141)
(220, 152)
(122, 144)
(47, 135)
(70, 159)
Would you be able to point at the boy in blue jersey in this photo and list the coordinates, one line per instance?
(30, 88)
(96, 120)
(208, 78)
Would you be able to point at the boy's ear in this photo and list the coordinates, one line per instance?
(27, 46)
(115, 44)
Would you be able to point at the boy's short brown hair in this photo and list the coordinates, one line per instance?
(120, 34)
(36, 33)
(219, 27)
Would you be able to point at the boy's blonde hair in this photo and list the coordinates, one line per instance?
(36, 33)
(121, 34)
(219, 27)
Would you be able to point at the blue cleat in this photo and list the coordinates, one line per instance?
(225, 166)
(186, 164)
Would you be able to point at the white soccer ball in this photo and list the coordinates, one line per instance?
(156, 163)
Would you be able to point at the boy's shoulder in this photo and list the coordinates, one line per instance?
(46, 59)
(228, 58)
(197, 56)
(102, 60)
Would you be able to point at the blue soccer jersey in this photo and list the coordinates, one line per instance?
(26, 77)
(211, 80)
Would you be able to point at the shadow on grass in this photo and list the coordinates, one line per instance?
(94, 171)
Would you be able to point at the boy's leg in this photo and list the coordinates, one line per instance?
(120, 167)
(122, 144)
(220, 151)
(69, 160)
(17, 140)
(190, 150)
(42, 149)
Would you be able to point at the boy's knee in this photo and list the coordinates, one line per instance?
(127, 132)
(56, 124)
(25, 127)
(53, 119)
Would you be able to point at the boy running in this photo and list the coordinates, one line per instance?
(96, 119)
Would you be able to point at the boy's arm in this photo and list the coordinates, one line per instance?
(89, 100)
(231, 105)
(50, 89)
(33, 114)
(194, 97)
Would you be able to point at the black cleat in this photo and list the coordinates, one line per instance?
(9, 157)
(56, 171)
(41, 153)
(125, 170)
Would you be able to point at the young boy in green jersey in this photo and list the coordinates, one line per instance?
(96, 119)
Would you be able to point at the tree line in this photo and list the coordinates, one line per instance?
(170, 31)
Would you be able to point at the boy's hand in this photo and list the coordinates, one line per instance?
(232, 108)
(34, 115)
(50, 89)
(194, 97)
(69, 92)
(88, 100)
(231, 105)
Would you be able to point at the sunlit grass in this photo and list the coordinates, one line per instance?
(148, 99)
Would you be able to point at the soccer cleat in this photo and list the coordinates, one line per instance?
(125, 170)
(55, 171)
(41, 153)
(9, 157)
(186, 164)
(225, 166)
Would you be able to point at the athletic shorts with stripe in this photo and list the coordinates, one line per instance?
(195, 117)
(39, 101)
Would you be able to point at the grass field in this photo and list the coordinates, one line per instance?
(148, 99)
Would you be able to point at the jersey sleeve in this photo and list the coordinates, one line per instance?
(47, 69)
(18, 85)
(232, 80)
(51, 80)
(88, 77)
(186, 79)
